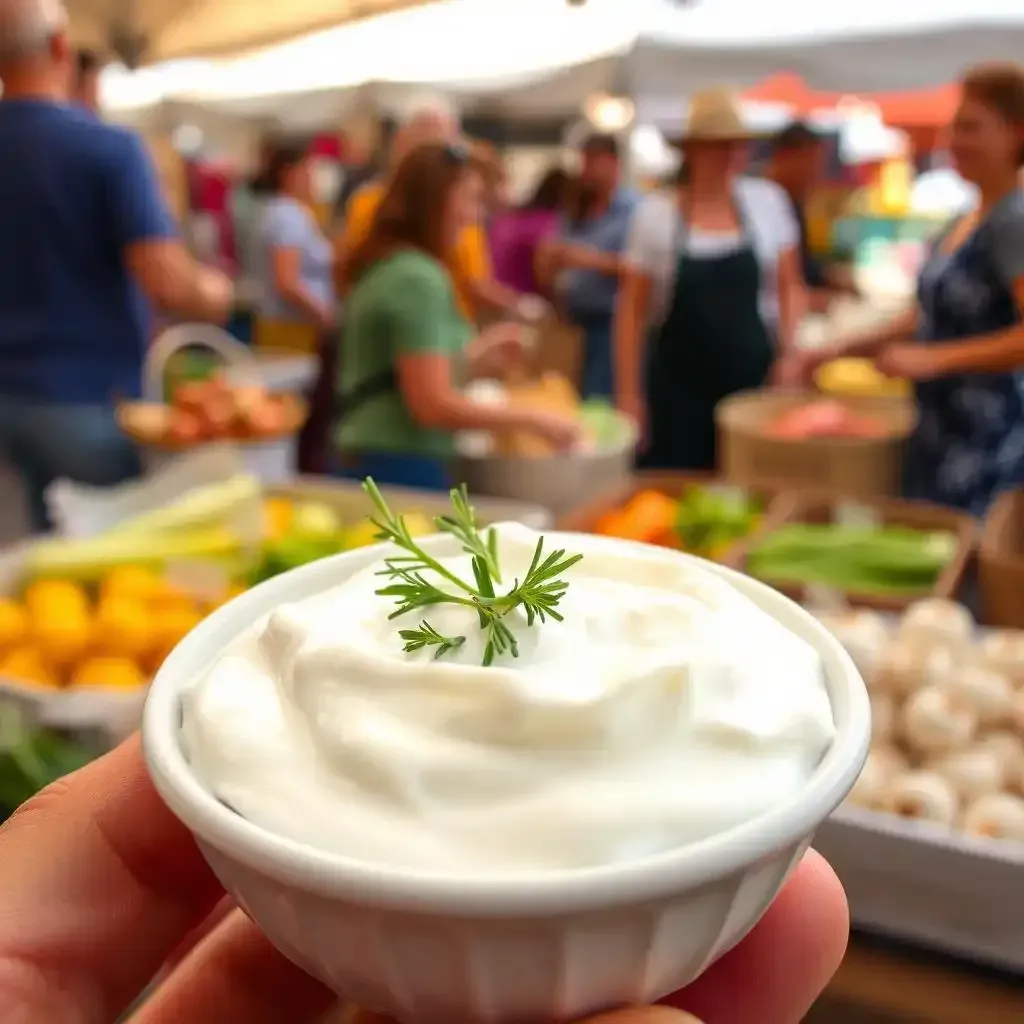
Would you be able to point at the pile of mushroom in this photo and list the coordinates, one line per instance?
(948, 717)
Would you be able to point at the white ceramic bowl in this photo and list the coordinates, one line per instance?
(445, 950)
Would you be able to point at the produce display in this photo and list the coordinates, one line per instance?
(211, 410)
(104, 612)
(948, 717)
(301, 532)
(824, 419)
(894, 560)
(705, 521)
(604, 427)
(858, 377)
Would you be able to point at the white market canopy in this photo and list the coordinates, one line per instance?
(148, 31)
(541, 58)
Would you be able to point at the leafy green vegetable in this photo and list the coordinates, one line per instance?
(290, 553)
(608, 427)
(708, 518)
(31, 758)
(889, 560)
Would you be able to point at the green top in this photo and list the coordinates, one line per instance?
(404, 306)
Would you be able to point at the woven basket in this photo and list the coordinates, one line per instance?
(269, 457)
(1001, 562)
(858, 467)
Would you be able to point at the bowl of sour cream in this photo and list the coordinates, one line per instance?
(589, 824)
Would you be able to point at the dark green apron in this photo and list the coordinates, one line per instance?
(712, 344)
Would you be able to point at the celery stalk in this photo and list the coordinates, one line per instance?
(213, 505)
(91, 558)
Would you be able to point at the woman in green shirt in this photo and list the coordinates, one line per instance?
(405, 345)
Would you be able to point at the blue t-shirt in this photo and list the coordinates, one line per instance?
(287, 224)
(74, 193)
(587, 292)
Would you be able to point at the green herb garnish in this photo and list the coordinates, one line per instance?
(538, 594)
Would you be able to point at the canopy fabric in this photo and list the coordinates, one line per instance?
(149, 31)
(540, 58)
(919, 108)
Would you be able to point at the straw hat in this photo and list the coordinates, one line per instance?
(716, 115)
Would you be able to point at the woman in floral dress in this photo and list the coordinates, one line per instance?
(962, 345)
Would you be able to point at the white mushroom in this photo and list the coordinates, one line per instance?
(938, 620)
(936, 720)
(863, 633)
(872, 786)
(989, 693)
(997, 815)
(1017, 713)
(1009, 748)
(883, 717)
(1003, 651)
(974, 772)
(923, 795)
(905, 665)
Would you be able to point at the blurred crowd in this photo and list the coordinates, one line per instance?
(681, 295)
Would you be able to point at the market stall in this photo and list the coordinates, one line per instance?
(542, 59)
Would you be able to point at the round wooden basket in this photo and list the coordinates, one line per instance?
(862, 467)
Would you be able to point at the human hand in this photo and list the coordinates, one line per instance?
(498, 349)
(910, 360)
(795, 368)
(632, 404)
(217, 293)
(561, 431)
(531, 309)
(100, 886)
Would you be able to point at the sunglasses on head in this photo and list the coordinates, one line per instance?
(457, 153)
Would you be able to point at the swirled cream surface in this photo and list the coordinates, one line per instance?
(666, 708)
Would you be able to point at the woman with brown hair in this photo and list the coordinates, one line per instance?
(963, 342)
(406, 345)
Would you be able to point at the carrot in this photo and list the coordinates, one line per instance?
(647, 517)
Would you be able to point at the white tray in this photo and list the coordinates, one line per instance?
(928, 886)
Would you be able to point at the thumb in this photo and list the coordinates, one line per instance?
(646, 1015)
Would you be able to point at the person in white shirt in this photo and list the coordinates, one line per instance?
(713, 286)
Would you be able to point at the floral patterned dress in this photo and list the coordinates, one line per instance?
(969, 441)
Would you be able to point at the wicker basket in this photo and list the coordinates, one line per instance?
(271, 458)
(586, 517)
(1001, 562)
(858, 467)
(825, 507)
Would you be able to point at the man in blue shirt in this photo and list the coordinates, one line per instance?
(588, 258)
(85, 240)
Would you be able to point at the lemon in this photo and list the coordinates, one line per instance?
(131, 582)
(63, 638)
(169, 629)
(55, 597)
(26, 665)
(117, 673)
(419, 525)
(277, 517)
(123, 628)
(13, 624)
(361, 535)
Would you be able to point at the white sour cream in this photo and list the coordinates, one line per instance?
(666, 708)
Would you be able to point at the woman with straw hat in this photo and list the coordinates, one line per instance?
(713, 282)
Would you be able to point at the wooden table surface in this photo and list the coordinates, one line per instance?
(884, 983)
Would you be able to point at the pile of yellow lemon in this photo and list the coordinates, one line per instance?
(116, 635)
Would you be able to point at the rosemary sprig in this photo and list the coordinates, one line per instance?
(427, 636)
(538, 594)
